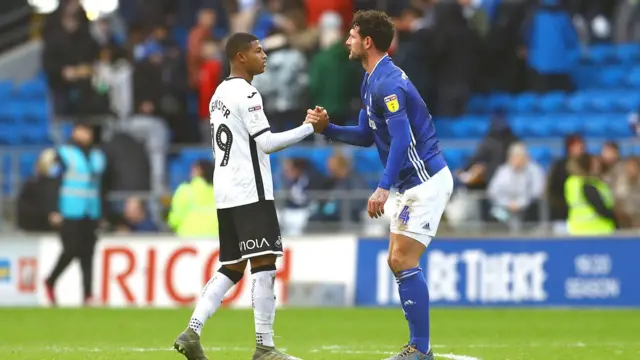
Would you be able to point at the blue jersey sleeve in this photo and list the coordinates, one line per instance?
(393, 97)
(359, 135)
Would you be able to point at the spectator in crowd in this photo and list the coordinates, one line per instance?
(341, 181)
(552, 47)
(593, 19)
(454, 50)
(612, 167)
(128, 168)
(627, 22)
(106, 36)
(112, 77)
(574, 148)
(80, 167)
(589, 199)
(193, 208)
(490, 154)
(516, 188)
(67, 58)
(211, 74)
(627, 191)
(333, 78)
(414, 29)
(38, 199)
(135, 218)
(299, 177)
(201, 32)
(283, 85)
(504, 56)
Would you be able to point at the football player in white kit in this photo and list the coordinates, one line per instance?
(243, 187)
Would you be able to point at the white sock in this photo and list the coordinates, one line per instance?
(263, 299)
(210, 299)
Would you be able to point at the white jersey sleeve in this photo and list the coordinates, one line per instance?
(258, 128)
(253, 115)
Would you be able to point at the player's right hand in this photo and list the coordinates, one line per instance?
(318, 118)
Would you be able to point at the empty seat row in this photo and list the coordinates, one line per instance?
(612, 53)
(554, 102)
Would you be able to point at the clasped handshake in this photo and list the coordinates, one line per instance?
(318, 118)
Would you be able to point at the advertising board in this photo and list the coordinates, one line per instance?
(169, 272)
(534, 272)
(18, 272)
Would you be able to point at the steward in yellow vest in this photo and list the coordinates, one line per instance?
(193, 208)
(589, 199)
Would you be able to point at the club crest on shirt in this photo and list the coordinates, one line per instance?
(392, 102)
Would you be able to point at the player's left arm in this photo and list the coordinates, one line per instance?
(392, 97)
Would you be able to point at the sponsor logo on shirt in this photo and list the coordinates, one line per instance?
(392, 103)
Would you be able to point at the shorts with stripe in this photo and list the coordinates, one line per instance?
(248, 231)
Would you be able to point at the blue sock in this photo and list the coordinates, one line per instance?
(405, 313)
(415, 303)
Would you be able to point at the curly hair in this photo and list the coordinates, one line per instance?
(377, 25)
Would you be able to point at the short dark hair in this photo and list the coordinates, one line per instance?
(377, 25)
(238, 42)
(613, 145)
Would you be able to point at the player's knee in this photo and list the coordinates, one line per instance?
(261, 261)
(233, 271)
(399, 261)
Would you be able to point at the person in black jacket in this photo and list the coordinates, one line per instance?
(38, 197)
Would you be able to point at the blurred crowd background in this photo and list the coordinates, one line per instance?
(518, 88)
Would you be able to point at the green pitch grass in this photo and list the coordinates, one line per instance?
(311, 334)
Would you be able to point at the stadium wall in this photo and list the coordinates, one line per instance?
(164, 271)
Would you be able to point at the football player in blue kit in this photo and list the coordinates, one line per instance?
(395, 118)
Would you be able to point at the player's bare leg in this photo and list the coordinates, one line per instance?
(263, 276)
(404, 260)
(188, 343)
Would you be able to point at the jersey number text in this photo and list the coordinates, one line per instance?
(225, 146)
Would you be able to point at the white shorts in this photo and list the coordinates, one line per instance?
(418, 211)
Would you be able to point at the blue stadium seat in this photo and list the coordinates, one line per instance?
(6, 89)
(36, 112)
(601, 54)
(579, 102)
(27, 162)
(585, 76)
(11, 114)
(524, 103)
(366, 161)
(500, 101)
(443, 127)
(595, 126)
(7, 173)
(551, 102)
(178, 172)
(478, 104)
(36, 135)
(569, 125)
(634, 78)
(542, 155)
(190, 155)
(32, 89)
(629, 101)
(469, 127)
(628, 53)
(604, 102)
(456, 158)
(618, 125)
(317, 157)
(612, 76)
(9, 135)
